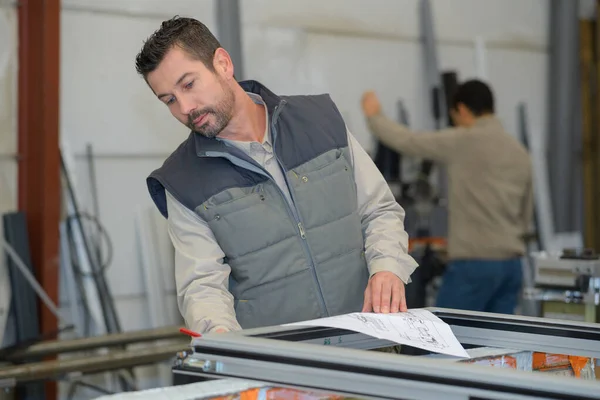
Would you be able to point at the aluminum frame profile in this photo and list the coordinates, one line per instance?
(385, 378)
(470, 327)
(341, 367)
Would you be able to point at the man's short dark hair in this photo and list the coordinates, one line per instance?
(189, 34)
(476, 96)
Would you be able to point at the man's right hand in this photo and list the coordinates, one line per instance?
(370, 104)
(221, 330)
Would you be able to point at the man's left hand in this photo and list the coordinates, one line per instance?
(385, 294)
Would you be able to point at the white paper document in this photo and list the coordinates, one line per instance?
(416, 328)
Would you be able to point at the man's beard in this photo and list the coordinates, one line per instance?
(222, 112)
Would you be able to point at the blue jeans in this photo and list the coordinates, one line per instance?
(482, 285)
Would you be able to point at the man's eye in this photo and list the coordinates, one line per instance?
(189, 85)
(170, 101)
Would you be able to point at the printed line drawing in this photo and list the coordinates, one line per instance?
(370, 322)
(414, 328)
(420, 329)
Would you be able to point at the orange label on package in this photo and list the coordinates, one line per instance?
(545, 360)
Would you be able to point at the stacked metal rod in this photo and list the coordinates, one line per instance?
(86, 364)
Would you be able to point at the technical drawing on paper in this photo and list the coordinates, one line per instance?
(420, 330)
(371, 322)
(407, 324)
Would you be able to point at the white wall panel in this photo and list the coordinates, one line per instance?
(103, 100)
(511, 22)
(395, 71)
(121, 185)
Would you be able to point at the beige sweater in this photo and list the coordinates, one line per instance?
(490, 199)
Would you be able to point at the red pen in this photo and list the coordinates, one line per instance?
(189, 333)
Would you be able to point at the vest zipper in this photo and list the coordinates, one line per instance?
(296, 215)
(301, 229)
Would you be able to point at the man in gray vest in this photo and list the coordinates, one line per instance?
(276, 213)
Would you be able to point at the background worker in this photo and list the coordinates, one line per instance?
(490, 203)
(270, 191)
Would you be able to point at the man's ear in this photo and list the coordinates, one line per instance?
(454, 115)
(222, 63)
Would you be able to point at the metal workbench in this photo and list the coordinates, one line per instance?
(335, 360)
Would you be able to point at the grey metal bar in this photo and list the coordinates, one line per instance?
(433, 77)
(88, 364)
(24, 297)
(576, 200)
(370, 374)
(229, 32)
(91, 343)
(25, 309)
(287, 355)
(474, 328)
(111, 318)
(563, 64)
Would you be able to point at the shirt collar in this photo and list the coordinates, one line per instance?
(267, 135)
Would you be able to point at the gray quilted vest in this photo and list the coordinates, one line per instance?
(288, 263)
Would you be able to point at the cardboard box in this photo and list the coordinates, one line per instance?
(498, 362)
(556, 364)
(270, 393)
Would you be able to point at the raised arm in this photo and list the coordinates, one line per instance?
(202, 278)
(439, 146)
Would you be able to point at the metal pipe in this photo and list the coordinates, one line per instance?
(500, 44)
(229, 32)
(563, 81)
(88, 364)
(72, 345)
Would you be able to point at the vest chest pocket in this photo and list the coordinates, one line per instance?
(326, 188)
(242, 219)
(231, 201)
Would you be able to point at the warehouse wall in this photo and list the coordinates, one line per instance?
(339, 46)
(343, 48)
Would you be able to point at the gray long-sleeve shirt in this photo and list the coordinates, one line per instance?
(490, 199)
(202, 275)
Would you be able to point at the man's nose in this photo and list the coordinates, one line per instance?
(186, 106)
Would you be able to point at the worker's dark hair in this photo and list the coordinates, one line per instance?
(476, 96)
(189, 34)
